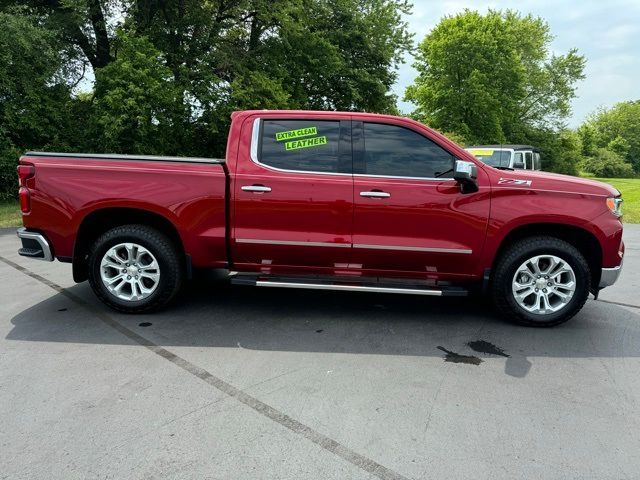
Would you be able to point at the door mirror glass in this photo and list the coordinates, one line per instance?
(466, 174)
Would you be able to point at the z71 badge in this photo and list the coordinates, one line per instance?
(514, 181)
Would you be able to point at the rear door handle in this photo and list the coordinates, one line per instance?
(375, 194)
(256, 188)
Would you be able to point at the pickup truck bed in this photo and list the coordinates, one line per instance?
(80, 193)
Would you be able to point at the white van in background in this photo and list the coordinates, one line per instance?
(524, 157)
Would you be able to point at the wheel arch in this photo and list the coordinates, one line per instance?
(100, 221)
(585, 241)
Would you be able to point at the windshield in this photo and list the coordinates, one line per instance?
(492, 156)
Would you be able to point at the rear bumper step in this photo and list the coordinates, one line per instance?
(352, 286)
(34, 245)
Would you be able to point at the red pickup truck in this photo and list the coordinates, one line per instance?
(325, 200)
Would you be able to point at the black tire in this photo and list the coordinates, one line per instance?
(518, 253)
(160, 246)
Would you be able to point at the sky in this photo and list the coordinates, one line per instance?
(607, 33)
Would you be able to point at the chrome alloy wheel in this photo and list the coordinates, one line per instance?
(130, 272)
(543, 284)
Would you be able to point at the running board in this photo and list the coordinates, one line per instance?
(375, 287)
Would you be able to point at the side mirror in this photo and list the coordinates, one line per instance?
(466, 174)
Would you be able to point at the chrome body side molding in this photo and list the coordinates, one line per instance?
(414, 249)
(293, 243)
(357, 245)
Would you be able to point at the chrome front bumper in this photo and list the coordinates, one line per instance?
(34, 245)
(609, 276)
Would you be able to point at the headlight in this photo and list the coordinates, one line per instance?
(615, 205)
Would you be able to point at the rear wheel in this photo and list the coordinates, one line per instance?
(135, 268)
(541, 281)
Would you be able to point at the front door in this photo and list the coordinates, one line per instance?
(293, 196)
(410, 217)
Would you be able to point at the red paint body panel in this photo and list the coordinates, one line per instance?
(426, 229)
(439, 232)
(552, 199)
(301, 208)
(190, 196)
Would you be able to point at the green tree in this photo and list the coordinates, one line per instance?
(560, 150)
(137, 106)
(82, 26)
(608, 164)
(587, 134)
(209, 58)
(168, 74)
(616, 129)
(491, 78)
(33, 98)
(291, 54)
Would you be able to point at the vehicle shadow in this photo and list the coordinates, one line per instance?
(216, 314)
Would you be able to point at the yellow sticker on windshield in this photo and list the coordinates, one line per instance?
(305, 143)
(300, 132)
(483, 152)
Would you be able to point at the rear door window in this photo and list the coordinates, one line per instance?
(393, 151)
(518, 162)
(536, 161)
(528, 160)
(301, 145)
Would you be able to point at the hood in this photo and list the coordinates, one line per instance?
(536, 180)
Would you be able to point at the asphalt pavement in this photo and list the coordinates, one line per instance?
(238, 382)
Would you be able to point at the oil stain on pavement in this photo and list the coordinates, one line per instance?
(454, 357)
(482, 346)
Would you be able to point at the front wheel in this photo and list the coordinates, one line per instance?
(135, 269)
(541, 282)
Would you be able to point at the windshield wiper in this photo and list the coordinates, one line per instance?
(505, 168)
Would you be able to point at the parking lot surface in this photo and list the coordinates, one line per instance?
(249, 383)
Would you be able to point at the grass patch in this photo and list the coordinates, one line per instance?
(10, 214)
(630, 189)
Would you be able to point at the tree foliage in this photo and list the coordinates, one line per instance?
(136, 101)
(560, 150)
(608, 164)
(33, 102)
(168, 74)
(617, 130)
(492, 79)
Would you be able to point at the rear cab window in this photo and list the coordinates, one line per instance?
(302, 145)
(395, 151)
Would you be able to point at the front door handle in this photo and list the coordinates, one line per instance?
(375, 194)
(255, 188)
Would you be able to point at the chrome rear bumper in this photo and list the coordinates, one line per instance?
(34, 245)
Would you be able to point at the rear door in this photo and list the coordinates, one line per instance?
(410, 217)
(293, 195)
